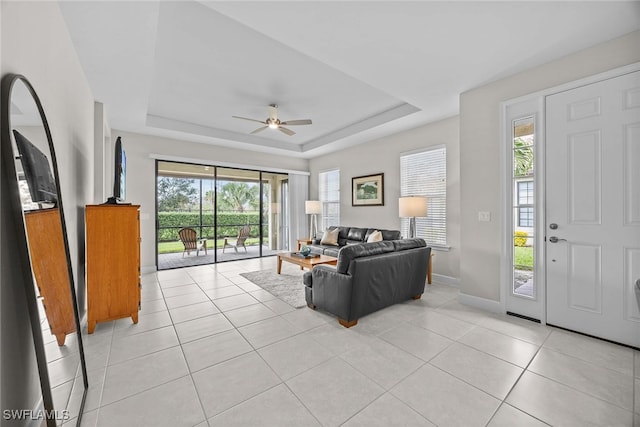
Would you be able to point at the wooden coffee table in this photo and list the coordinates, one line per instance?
(308, 263)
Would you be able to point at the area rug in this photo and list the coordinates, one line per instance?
(287, 287)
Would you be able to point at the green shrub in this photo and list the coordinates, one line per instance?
(228, 224)
(520, 238)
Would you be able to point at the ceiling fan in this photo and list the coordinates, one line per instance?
(274, 122)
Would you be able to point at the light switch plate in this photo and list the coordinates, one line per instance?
(484, 216)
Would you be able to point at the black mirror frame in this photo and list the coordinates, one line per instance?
(10, 174)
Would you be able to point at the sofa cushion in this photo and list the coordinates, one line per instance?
(319, 249)
(330, 237)
(349, 253)
(376, 236)
(344, 232)
(325, 250)
(391, 234)
(332, 251)
(356, 234)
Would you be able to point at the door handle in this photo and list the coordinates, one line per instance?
(554, 239)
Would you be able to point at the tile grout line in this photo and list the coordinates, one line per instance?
(144, 355)
(184, 356)
(336, 355)
(580, 390)
(283, 382)
(254, 350)
(104, 376)
(526, 368)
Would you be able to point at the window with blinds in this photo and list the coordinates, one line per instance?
(329, 195)
(425, 174)
(525, 199)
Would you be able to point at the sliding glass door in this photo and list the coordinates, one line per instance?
(238, 217)
(234, 214)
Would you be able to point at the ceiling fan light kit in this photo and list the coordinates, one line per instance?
(273, 122)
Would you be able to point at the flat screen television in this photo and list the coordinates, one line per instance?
(37, 171)
(120, 175)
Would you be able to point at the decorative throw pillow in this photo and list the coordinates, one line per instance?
(376, 236)
(330, 237)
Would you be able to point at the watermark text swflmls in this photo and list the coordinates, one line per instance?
(39, 414)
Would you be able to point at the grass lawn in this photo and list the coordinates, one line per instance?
(523, 254)
(172, 247)
(523, 257)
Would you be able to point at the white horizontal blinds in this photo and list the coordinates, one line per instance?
(329, 195)
(425, 174)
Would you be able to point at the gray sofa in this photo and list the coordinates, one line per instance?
(367, 278)
(349, 236)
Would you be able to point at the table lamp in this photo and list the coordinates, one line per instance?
(412, 207)
(313, 207)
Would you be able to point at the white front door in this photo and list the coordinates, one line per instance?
(593, 209)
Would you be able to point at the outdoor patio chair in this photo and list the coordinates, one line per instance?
(243, 233)
(190, 240)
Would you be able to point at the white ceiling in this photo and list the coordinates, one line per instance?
(360, 70)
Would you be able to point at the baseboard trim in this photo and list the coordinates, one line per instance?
(441, 279)
(481, 303)
(145, 269)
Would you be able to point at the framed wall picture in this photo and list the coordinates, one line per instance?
(367, 190)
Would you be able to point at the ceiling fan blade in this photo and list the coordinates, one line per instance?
(251, 120)
(297, 122)
(259, 129)
(286, 131)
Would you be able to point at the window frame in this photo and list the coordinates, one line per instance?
(528, 206)
(436, 200)
(327, 219)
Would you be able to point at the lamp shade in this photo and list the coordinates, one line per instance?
(412, 206)
(312, 207)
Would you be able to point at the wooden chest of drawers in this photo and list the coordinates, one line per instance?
(113, 262)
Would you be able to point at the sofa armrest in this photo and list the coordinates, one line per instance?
(332, 291)
(307, 279)
(323, 269)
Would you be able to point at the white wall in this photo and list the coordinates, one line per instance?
(141, 174)
(35, 43)
(102, 155)
(383, 155)
(480, 152)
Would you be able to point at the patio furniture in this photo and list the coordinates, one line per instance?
(190, 240)
(243, 234)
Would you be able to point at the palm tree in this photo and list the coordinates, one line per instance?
(522, 157)
(238, 196)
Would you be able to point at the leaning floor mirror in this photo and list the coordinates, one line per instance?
(31, 171)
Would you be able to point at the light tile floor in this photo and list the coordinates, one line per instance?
(212, 349)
